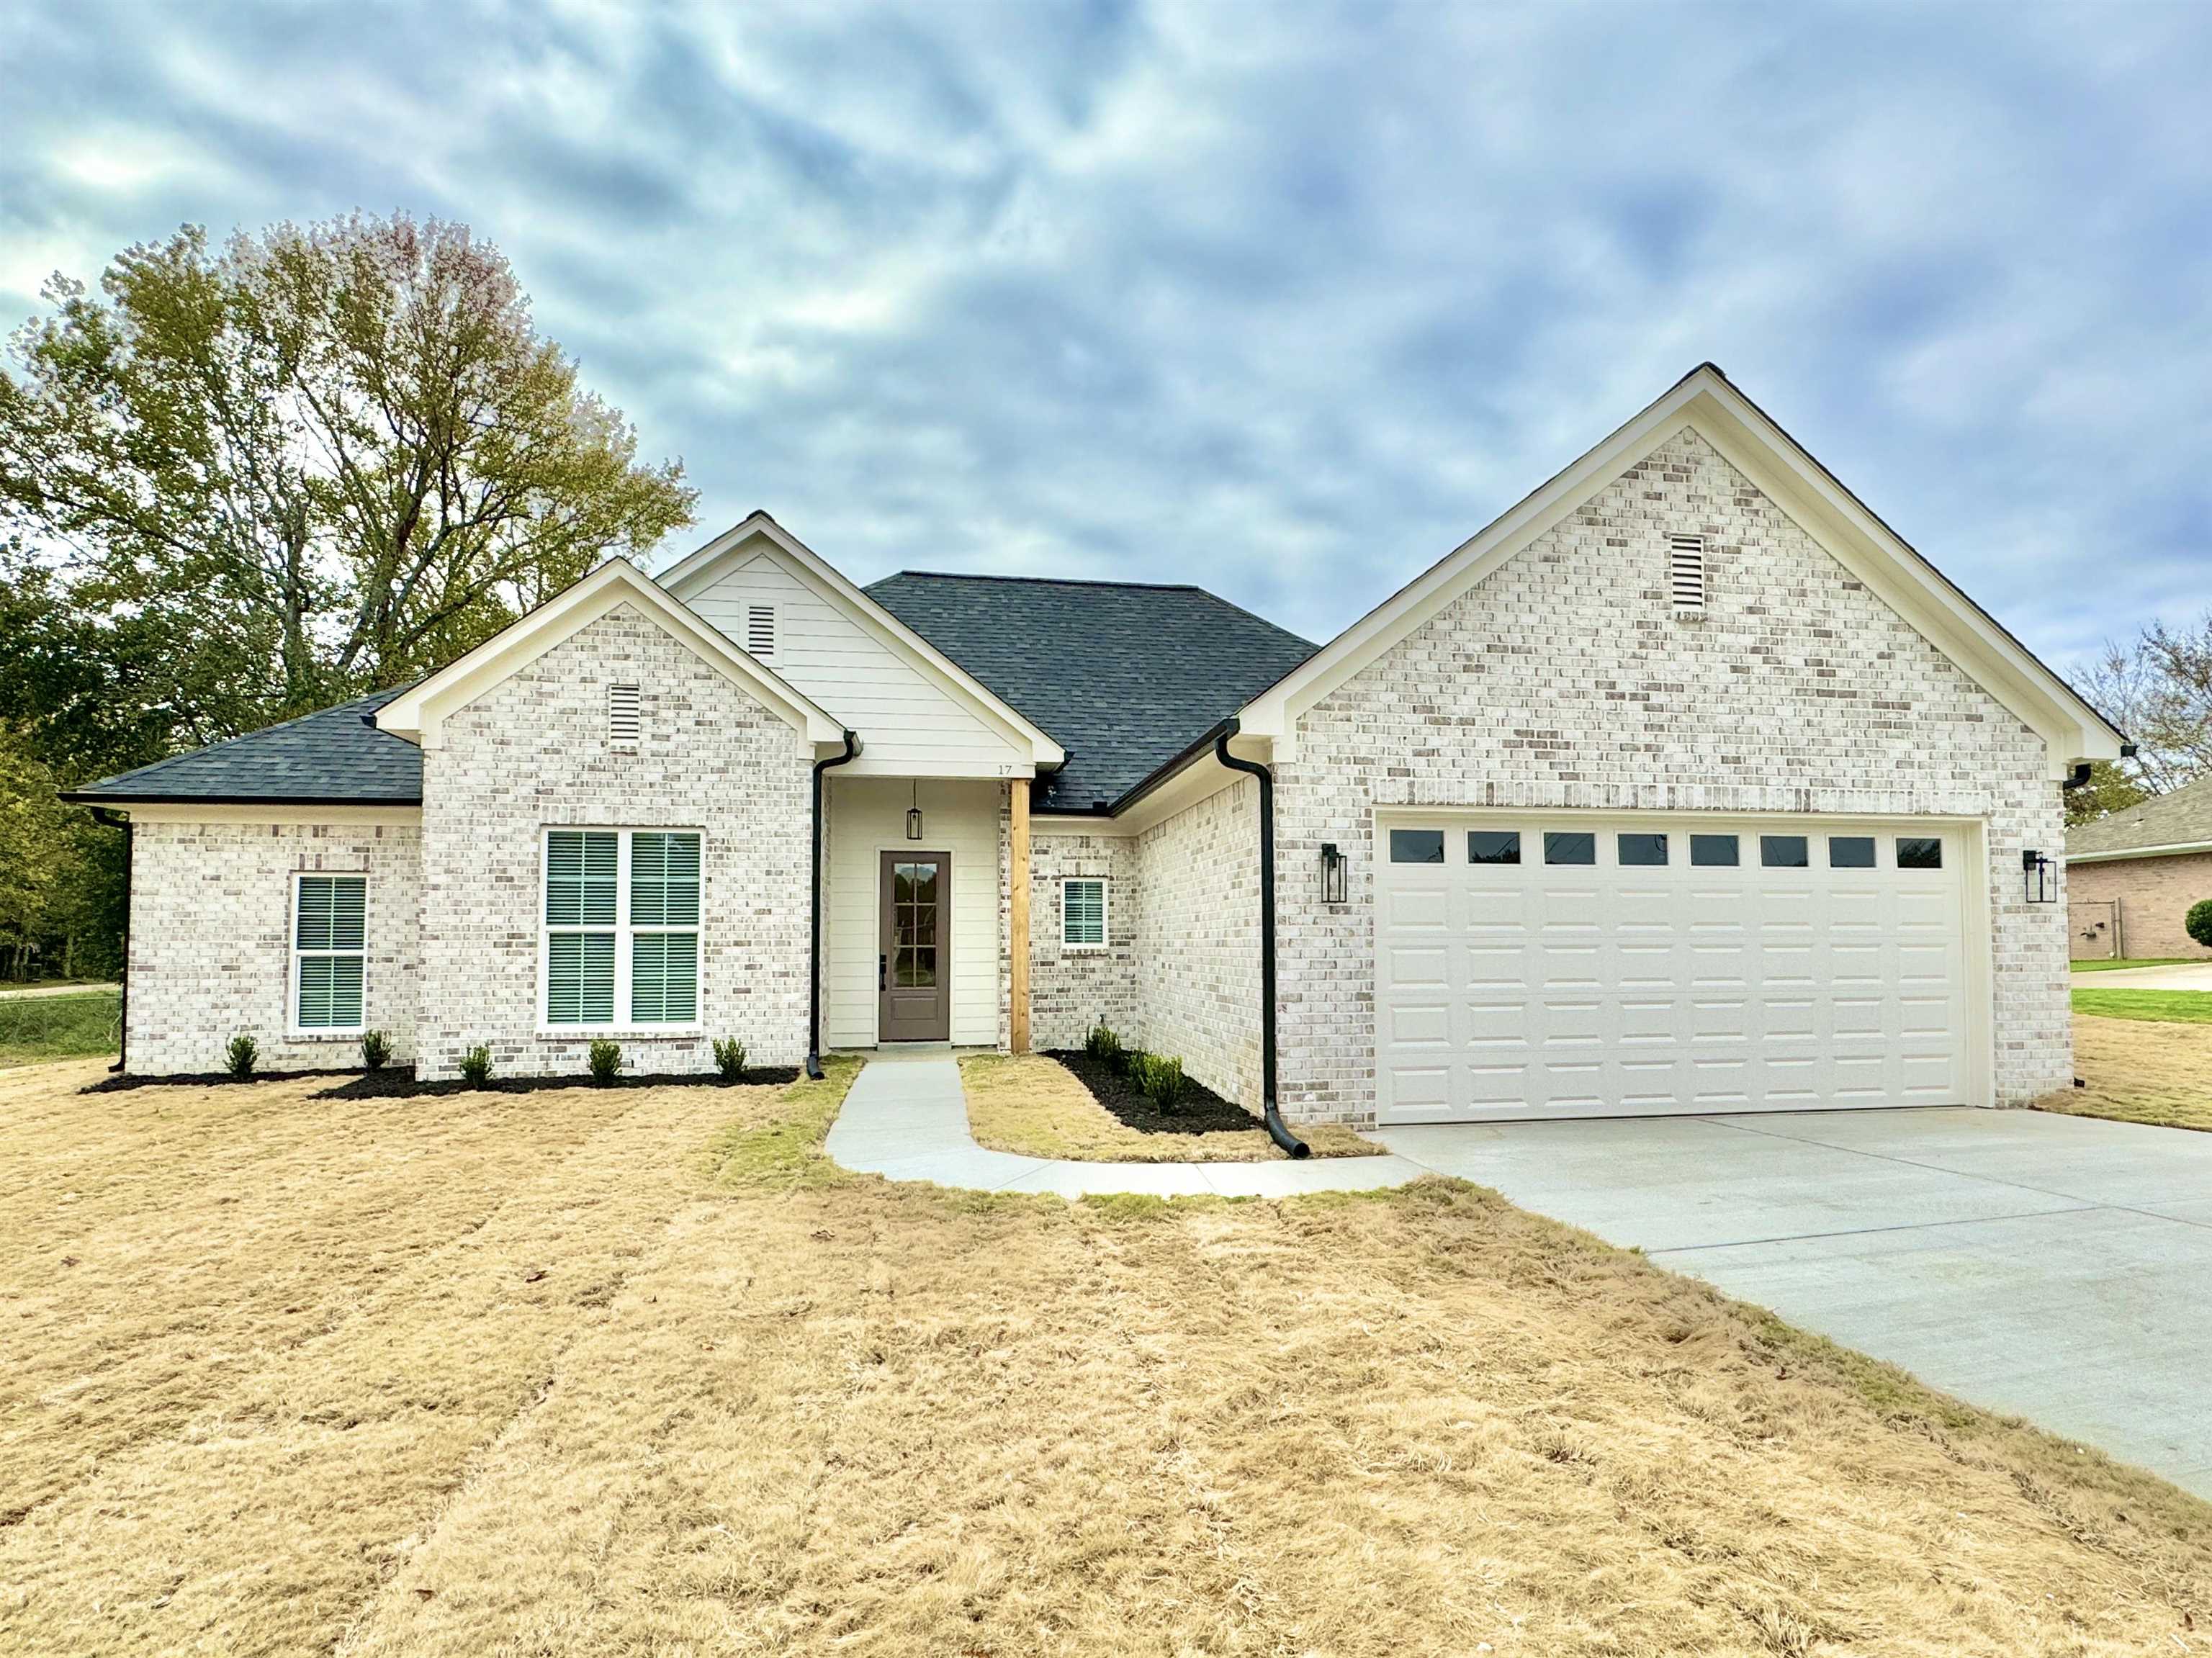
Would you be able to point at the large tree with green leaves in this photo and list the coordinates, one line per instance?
(315, 461)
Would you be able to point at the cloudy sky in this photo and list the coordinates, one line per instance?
(1286, 299)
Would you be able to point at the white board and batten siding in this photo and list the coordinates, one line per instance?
(1537, 989)
(908, 723)
(867, 817)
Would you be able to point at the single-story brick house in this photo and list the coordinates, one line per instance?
(1685, 786)
(2132, 875)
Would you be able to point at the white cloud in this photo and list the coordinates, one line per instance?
(1288, 300)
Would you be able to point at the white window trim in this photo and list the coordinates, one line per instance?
(1105, 914)
(304, 1033)
(623, 1024)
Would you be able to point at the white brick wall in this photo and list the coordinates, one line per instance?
(1198, 936)
(1072, 990)
(533, 751)
(210, 939)
(1181, 975)
(1565, 680)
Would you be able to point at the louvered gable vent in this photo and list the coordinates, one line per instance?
(760, 630)
(623, 718)
(1685, 572)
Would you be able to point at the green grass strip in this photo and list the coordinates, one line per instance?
(2163, 1006)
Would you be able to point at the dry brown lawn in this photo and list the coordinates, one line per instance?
(1039, 1108)
(2139, 1071)
(639, 1372)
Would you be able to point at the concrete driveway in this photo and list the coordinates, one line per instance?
(2059, 1268)
(2190, 976)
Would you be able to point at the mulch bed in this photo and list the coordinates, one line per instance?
(398, 1081)
(1201, 1111)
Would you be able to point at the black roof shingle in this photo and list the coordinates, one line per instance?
(1122, 674)
(329, 757)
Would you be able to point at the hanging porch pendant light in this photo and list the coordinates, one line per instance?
(913, 814)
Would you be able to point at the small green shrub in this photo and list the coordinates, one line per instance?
(2198, 922)
(476, 1066)
(1160, 1080)
(1102, 1044)
(606, 1061)
(729, 1058)
(376, 1049)
(242, 1053)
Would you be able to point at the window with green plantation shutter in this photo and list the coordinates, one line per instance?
(330, 951)
(663, 918)
(622, 927)
(1083, 913)
(583, 889)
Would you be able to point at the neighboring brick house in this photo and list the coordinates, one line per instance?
(1685, 786)
(2131, 877)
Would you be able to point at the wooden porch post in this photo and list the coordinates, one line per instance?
(1018, 915)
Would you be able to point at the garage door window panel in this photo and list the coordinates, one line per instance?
(1641, 851)
(1919, 852)
(1493, 846)
(1851, 852)
(1714, 852)
(1569, 847)
(1783, 852)
(1417, 845)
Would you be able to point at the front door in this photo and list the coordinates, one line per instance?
(913, 961)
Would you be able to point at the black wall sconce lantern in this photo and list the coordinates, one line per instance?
(913, 814)
(2042, 882)
(1332, 873)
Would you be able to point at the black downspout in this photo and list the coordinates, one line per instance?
(814, 911)
(107, 817)
(1277, 1129)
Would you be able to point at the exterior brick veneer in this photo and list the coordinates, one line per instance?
(1180, 974)
(1072, 990)
(211, 940)
(1565, 680)
(534, 750)
(2154, 894)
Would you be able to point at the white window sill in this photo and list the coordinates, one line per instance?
(555, 1032)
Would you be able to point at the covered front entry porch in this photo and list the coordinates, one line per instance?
(920, 892)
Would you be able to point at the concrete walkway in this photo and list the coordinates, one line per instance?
(2190, 976)
(2058, 1268)
(33, 993)
(906, 1119)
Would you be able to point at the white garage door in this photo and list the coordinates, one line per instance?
(1534, 966)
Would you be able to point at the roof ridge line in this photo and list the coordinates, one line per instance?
(1054, 580)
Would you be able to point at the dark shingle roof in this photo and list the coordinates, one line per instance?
(2180, 819)
(324, 757)
(1123, 676)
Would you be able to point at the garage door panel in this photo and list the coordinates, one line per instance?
(1538, 989)
(1426, 1024)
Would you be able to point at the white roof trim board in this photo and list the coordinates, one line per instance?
(1705, 402)
(415, 712)
(699, 570)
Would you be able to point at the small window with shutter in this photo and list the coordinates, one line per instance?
(623, 718)
(1685, 574)
(330, 952)
(1083, 913)
(760, 630)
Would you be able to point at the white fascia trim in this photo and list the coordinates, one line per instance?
(2172, 849)
(697, 569)
(186, 811)
(415, 712)
(1705, 402)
